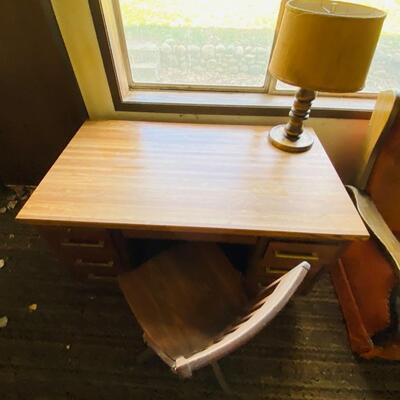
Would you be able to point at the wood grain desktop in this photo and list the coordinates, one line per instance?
(205, 181)
(216, 179)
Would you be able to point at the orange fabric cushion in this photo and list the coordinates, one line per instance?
(384, 182)
(360, 342)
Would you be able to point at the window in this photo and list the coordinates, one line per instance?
(210, 56)
(385, 68)
(199, 44)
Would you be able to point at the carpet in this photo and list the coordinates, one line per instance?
(81, 341)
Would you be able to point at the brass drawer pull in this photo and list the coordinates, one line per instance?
(296, 256)
(81, 263)
(276, 271)
(99, 244)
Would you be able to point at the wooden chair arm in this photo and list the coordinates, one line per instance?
(259, 314)
(376, 224)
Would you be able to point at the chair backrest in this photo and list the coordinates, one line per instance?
(380, 175)
(265, 307)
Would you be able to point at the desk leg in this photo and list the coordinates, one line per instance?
(120, 246)
(255, 274)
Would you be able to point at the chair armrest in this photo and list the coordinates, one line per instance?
(376, 224)
(258, 315)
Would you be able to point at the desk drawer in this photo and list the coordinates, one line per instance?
(93, 249)
(85, 251)
(74, 236)
(91, 261)
(94, 267)
(280, 257)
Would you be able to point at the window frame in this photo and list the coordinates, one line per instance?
(201, 99)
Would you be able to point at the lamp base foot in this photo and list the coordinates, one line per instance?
(278, 137)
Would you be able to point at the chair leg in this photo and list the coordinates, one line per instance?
(145, 355)
(220, 378)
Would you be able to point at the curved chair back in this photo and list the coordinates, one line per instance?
(265, 307)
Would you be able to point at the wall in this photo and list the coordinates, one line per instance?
(41, 105)
(342, 138)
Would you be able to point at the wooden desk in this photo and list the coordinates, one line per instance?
(200, 182)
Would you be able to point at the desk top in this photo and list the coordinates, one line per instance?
(199, 178)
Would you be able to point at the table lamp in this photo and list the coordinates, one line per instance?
(324, 46)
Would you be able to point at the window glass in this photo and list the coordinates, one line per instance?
(199, 42)
(385, 68)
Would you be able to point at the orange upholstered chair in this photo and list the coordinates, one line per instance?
(367, 277)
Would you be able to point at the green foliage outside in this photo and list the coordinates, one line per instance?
(244, 23)
(250, 14)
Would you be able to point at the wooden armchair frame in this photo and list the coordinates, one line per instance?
(368, 275)
(376, 225)
(387, 111)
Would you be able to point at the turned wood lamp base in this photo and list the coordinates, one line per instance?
(279, 138)
(290, 137)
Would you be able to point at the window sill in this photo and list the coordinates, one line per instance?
(251, 104)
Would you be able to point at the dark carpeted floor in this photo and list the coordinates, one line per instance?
(81, 342)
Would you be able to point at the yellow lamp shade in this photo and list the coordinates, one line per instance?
(325, 45)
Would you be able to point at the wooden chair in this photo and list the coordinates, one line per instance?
(193, 309)
(377, 194)
(368, 274)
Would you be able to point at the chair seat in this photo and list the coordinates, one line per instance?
(184, 297)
